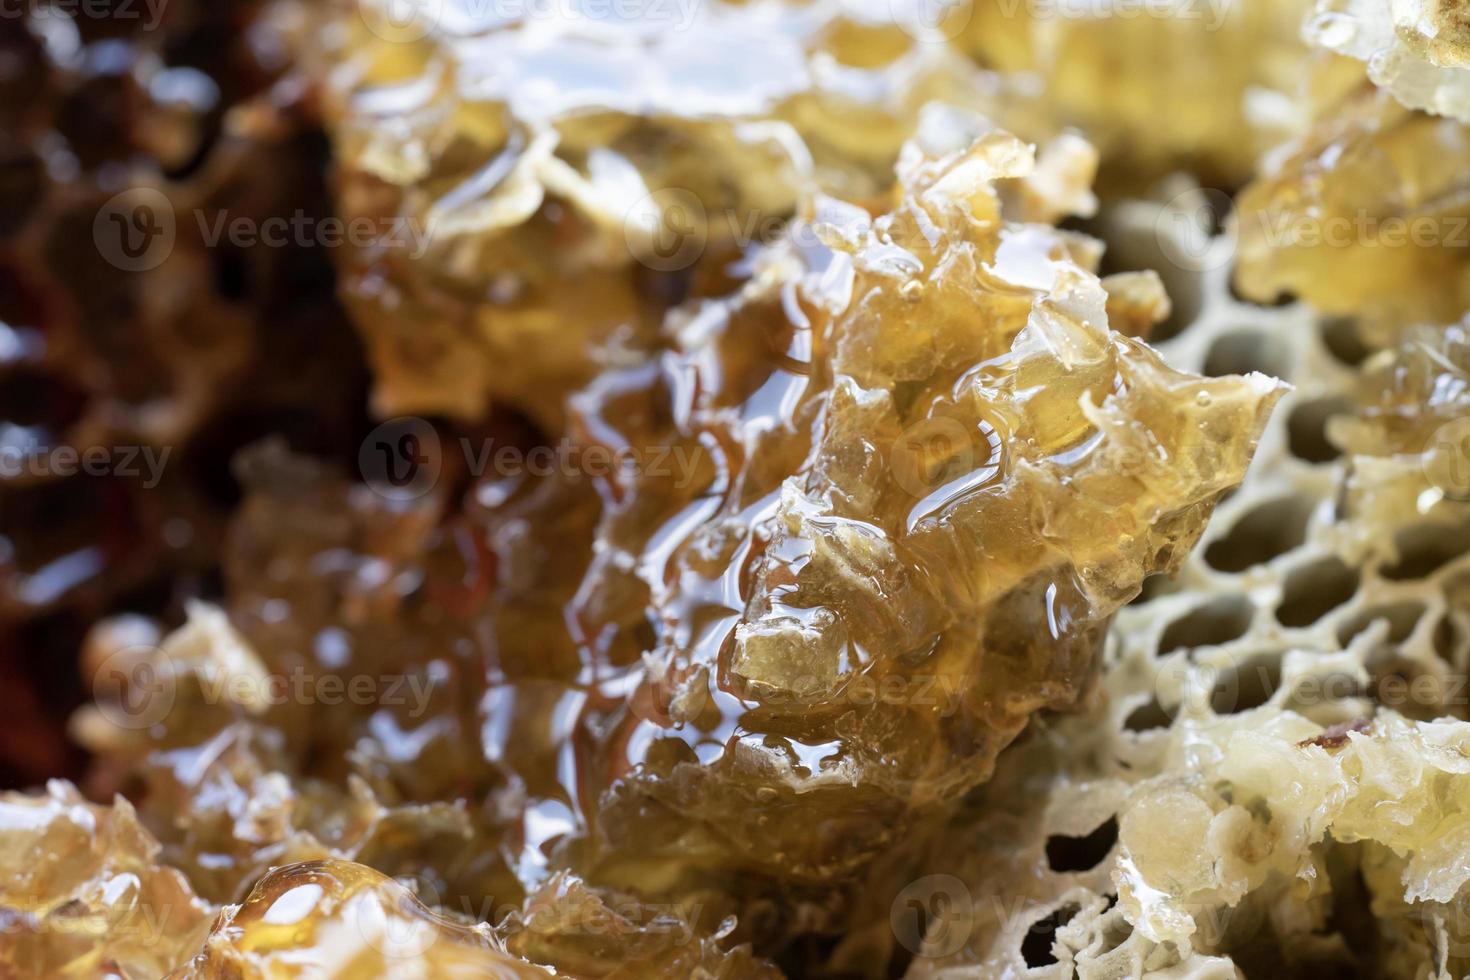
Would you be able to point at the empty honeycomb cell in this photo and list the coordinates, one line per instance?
(1038, 948)
(1275, 302)
(1211, 624)
(1067, 854)
(1113, 931)
(1315, 589)
(42, 652)
(1448, 639)
(1306, 429)
(1343, 340)
(1243, 351)
(1411, 690)
(1134, 250)
(1401, 617)
(1246, 685)
(1185, 299)
(1265, 532)
(1148, 717)
(1423, 549)
(1155, 586)
(1319, 690)
(231, 268)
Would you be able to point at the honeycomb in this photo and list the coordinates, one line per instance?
(1206, 87)
(1281, 742)
(1416, 49)
(598, 173)
(84, 892)
(877, 509)
(592, 172)
(1365, 214)
(497, 648)
(134, 358)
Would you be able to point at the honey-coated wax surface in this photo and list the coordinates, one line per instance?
(919, 474)
(812, 489)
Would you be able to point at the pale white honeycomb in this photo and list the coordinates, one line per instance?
(1417, 49)
(1322, 579)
